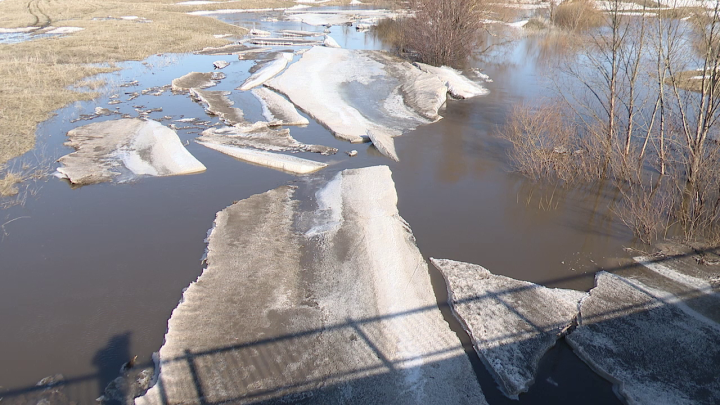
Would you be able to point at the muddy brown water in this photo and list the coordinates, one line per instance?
(91, 275)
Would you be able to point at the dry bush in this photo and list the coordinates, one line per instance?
(443, 32)
(577, 15)
(544, 143)
(8, 184)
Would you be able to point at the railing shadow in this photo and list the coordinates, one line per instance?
(262, 371)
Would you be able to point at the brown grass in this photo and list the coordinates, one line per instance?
(35, 76)
(8, 184)
(577, 15)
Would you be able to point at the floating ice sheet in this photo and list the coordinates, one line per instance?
(268, 71)
(384, 144)
(124, 149)
(343, 316)
(352, 92)
(278, 161)
(277, 109)
(512, 323)
(218, 104)
(260, 136)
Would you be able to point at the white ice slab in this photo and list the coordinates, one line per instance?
(286, 163)
(124, 149)
(330, 42)
(352, 92)
(346, 315)
(267, 72)
(277, 109)
(260, 136)
(458, 85)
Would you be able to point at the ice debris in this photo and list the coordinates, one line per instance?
(349, 317)
(218, 104)
(512, 323)
(458, 85)
(221, 64)
(124, 149)
(276, 108)
(352, 92)
(278, 161)
(649, 347)
(196, 80)
(268, 71)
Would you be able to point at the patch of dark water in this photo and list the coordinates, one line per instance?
(86, 268)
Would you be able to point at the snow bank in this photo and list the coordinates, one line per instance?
(277, 109)
(652, 349)
(286, 163)
(512, 323)
(270, 70)
(352, 92)
(458, 85)
(124, 149)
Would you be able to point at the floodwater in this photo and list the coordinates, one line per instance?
(91, 275)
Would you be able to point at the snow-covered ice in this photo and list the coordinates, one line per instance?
(348, 317)
(512, 323)
(267, 72)
(652, 349)
(124, 149)
(277, 109)
(352, 92)
(458, 85)
(278, 161)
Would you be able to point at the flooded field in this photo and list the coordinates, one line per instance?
(92, 274)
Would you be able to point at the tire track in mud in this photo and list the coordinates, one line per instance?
(42, 20)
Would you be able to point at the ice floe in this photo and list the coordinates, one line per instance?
(221, 64)
(512, 323)
(384, 144)
(217, 103)
(124, 149)
(349, 317)
(260, 136)
(267, 72)
(352, 92)
(276, 108)
(284, 41)
(196, 80)
(458, 85)
(228, 49)
(651, 348)
(278, 161)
